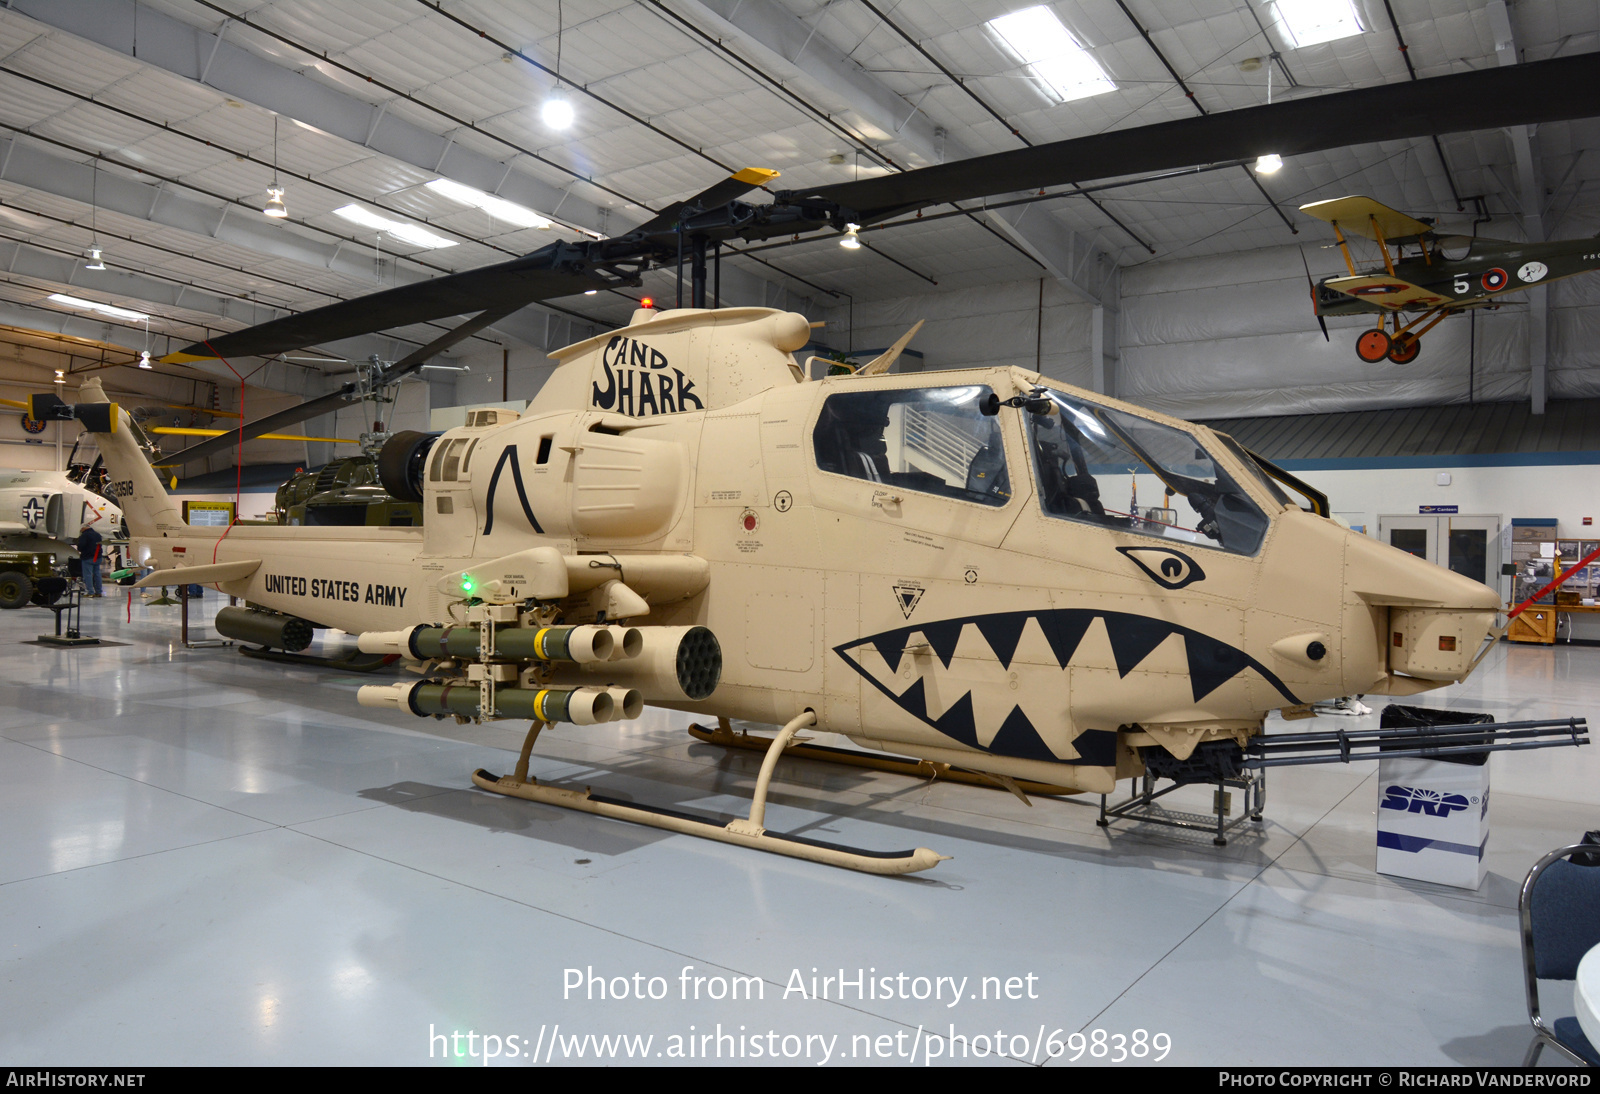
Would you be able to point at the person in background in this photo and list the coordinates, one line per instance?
(89, 554)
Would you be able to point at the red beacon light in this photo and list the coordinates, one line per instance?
(647, 302)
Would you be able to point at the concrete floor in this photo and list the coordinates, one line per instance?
(213, 860)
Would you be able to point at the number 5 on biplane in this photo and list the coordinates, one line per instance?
(1428, 275)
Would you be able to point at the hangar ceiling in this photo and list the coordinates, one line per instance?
(154, 130)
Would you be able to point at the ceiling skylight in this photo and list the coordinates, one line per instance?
(508, 211)
(1037, 37)
(1308, 22)
(91, 305)
(399, 229)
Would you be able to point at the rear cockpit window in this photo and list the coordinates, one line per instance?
(934, 440)
(1092, 463)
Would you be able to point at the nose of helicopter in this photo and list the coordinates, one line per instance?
(1431, 621)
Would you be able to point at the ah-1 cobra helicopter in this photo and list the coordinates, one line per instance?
(1443, 275)
(661, 525)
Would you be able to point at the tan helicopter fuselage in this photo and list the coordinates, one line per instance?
(991, 634)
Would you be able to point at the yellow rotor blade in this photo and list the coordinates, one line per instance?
(189, 431)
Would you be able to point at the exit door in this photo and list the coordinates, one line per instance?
(1468, 545)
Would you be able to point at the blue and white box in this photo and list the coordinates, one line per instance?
(1433, 820)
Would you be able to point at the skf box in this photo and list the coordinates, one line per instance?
(1433, 814)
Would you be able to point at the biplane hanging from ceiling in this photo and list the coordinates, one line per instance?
(1428, 275)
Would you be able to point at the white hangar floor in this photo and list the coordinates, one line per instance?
(212, 860)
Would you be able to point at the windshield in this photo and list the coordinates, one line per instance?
(1090, 461)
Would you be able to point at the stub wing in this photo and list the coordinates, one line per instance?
(1390, 293)
(1360, 214)
(200, 575)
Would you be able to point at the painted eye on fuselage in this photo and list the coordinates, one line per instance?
(1167, 568)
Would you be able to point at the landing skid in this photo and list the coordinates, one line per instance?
(724, 736)
(742, 832)
(351, 662)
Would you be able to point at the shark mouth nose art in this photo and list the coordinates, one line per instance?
(917, 667)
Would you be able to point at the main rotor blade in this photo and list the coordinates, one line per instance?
(729, 189)
(508, 285)
(1524, 94)
(228, 441)
(334, 400)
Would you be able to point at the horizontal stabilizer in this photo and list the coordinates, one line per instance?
(200, 575)
(1358, 214)
(1385, 292)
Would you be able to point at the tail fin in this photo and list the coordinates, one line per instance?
(147, 509)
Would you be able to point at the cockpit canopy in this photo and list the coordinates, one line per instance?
(1088, 460)
(935, 440)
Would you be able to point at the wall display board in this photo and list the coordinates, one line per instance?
(208, 514)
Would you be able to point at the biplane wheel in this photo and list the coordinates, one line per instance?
(1373, 345)
(1404, 350)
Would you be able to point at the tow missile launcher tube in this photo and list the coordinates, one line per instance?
(629, 642)
(674, 665)
(580, 706)
(627, 703)
(581, 645)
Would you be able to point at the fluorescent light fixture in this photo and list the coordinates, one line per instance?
(557, 110)
(1055, 56)
(448, 368)
(104, 309)
(1309, 22)
(850, 241)
(410, 233)
(1269, 163)
(95, 261)
(274, 206)
(499, 208)
(590, 292)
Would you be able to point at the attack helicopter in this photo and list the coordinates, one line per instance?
(1431, 273)
(663, 523)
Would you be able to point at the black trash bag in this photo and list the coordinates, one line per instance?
(1425, 718)
(1588, 858)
